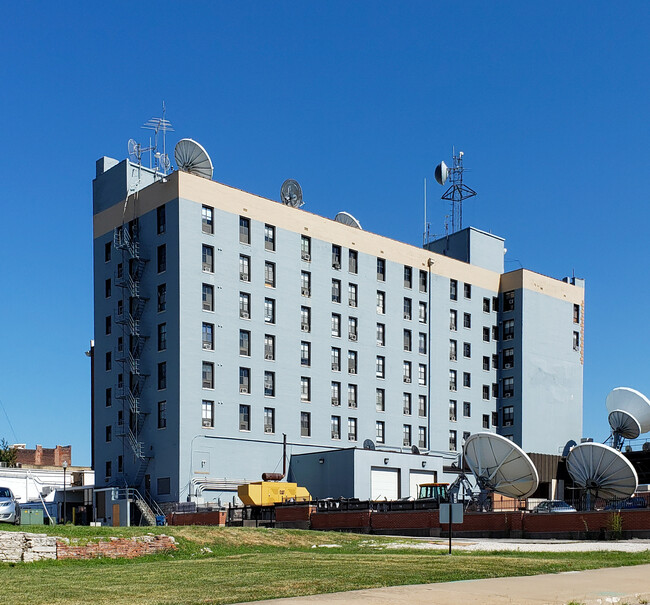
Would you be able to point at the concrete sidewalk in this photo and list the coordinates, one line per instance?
(622, 585)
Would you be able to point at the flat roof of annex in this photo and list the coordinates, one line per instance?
(182, 185)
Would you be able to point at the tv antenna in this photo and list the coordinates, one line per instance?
(291, 193)
(159, 126)
(457, 191)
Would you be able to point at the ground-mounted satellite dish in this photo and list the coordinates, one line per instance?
(601, 471)
(368, 444)
(441, 173)
(624, 424)
(634, 403)
(135, 150)
(347, 219)
(415, 449)
(291, 194)
(193, 158)
(500, 465)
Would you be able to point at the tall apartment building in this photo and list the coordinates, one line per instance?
(224, 320)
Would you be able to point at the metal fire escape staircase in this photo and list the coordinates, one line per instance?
(125, 238)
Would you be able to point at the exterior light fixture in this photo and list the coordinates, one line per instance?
(385, 460)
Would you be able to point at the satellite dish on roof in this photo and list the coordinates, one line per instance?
(601, 471)
(347, 219)
(135, 150)
(441, 173)
(193, 158)
(624, 424)
(631, 401)
(500, 465)
(291, 193)
(368, 444)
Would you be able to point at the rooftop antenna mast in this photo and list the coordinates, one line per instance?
(457, 191)
(159, 126)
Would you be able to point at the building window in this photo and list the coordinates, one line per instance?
(486, 334)
(269, 347)
(162, 337)
(486, 421)
(162, 375)
(422, 437)
(453, 289)
(453, 355)
(160, 219)
(207, 375)
(269, 274)
(336, 427)
(508, 387)
(467, 409)
(336, 257)
(269, 420)
(495, 304)
(453, 410)
(406, 404)
(269, 238)
(120, 381)
(576, 341)
(467, 350)
(244, 381)
(120, 270)
(352, 429)
(162, 297)
(352, 362)
(495, 390)
(305, 319)
(244, 268)
(269, 384)
(353, 392)
(508, 359)
(380, 370)
(353, 325)
(508, 329)
(244, 305)
(423, 281)
(109, 433)
(207, 292)
(162, 258)
(352, 295)
(379, 431)
(352, 261)
(207, 414)
(486, 305)
(244, 343)
(486, 392)
(305, 283)
(467, 379)
(495, 419)
(108, 399)
(108, 325)
(335, 393)
(408, 306)
(206, 220)
(407, 371)
(422, 343)
(576, 314)
(422, 374)
(305, 248)
(162, 414)
(305, 388)
(381, 302)
(336, 359)
(452, 441)
(486, 363)
(305, 424)
(495, 333)
(244, 417)
(305, 353)
(422, 312)
(408, 277)
(509, 301)
(381, 269)
(207, 259)
(508, 415)
(495, 362)
(381, 335)
(380, 400)
(108, 361)
(269, 310)
(207, 336)
(336, 325)
(467, 290)
(163, 486)
(453, 320)
(336, 290)
(467, 320)
(120, 344)
(120, 464)
(244, 230)
(407, 340)
(422, 406)
(107, 288)
(452, 380)
(107, 251)
(109, 469)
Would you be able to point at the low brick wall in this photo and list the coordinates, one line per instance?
(217, 517)
(21, 546)
(115, 548)
(358, 521)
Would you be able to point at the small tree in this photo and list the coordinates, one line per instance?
(8, 454)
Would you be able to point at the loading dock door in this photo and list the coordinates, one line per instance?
(384, 483)
(417, 478)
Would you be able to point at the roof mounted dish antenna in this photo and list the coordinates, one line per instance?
(457, 191)
(191, 157)
(347, 219)
(291, 194)
(629, 414)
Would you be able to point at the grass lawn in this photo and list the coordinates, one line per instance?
(228, 565)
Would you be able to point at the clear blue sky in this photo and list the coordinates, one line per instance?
(358, 101)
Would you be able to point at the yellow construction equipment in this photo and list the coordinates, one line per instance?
(268, 493)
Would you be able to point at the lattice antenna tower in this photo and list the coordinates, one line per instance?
(160, 126)
(457, 191)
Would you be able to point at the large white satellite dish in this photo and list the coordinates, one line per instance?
(191, 157)
(632, 402)
(500, 465)
(347, 219)
(601, 471)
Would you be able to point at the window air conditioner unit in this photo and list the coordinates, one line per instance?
(335, 435)
(268, 356)
(452, 357)
(336, 265)
(207, 345)
(507, 366)
(353, 336)
(407, 379)
(335, 401)
(352, 436)
(305, 291)
(207, 423)
(244, 315)
(305, 256)
(352, 371)
(304, 327)
(407, 316)
(507, 394)
(406, 443)
(207, 306)
(243, 389)
(207, 384)
(353, 303)
(335, 367)
(243, 276)
(268, 429)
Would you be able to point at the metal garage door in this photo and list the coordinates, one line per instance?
(384, 483)
(417, 478)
